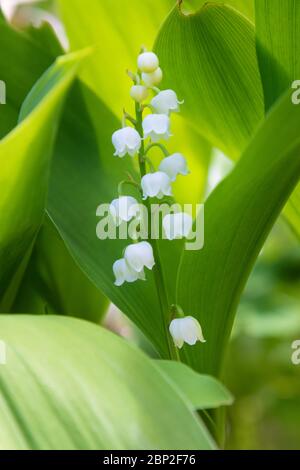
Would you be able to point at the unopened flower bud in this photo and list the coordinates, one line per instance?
(154, 78)
(139, 93)
(148, 62)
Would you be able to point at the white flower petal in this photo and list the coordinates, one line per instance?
(157, 127)
(139, 255)
(165, 102)
(123, 208)
(186, 330)
(124, 273)
(156, 184)
(174, 165)
(177, 225)
(126, 140)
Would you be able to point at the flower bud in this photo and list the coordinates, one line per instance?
(177, 226)
(126, 140)
(139, 255)
(157, 127)
(148, 62)
(154, 78)
(186, 330)
(123, 209)
(165, 102)
(156, 184)
(174, 165)
(124, 273)
(139, 93)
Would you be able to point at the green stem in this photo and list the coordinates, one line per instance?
(157, 270)
(160, 146)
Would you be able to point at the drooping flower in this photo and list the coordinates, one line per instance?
(177, 226)
(174, 165)
(126, 140)
(157, 127)
(156, 184)
(165, 102)
(186, 330)
(139, 93)
(154, 78)
(124, 273)
(148, 62)
(139, 256)
(124, 208)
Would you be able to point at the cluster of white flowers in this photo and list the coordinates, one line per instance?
(131, 140)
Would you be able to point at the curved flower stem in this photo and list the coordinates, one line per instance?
(160, 146)
(157, 270)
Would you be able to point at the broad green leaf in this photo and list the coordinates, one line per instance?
(243, 6)
(69, 384)
(22, 62)
(203, 391)
(213, 66)
(278, 45)
(54, 283)
(278, 49)
(238, 217)
(38, 287)
(24, 159)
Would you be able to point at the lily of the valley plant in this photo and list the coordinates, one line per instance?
(150, 128)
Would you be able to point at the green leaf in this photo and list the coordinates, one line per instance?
(243, 6)
(54, 283)
(278, 49)
(213, 67)
(278, 45)
(65, 385)
(203, 391)
(24, 159)
(22, 62)
(238, 217)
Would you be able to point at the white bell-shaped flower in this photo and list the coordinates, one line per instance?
(156, 184)
(165, 102)
(139, 255)
(157, 127)
(148, 62)
(139, 93)
(124, 208)
(174, 165)
(177, 226)
(154, 78)
(186, 330)
(126, 140)
(124, 273)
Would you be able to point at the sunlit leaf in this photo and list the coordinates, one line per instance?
(238, 217)
(24, 159)
(69, 384)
